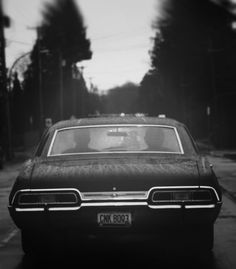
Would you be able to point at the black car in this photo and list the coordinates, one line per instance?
(130, 177)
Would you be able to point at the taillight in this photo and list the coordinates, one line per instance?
(161, 196)
(202, 195)
(182, 196)
(49, 198)
(197, 195)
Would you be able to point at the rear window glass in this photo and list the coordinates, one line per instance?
(115, 139)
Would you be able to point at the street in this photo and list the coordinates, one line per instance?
(11, 255)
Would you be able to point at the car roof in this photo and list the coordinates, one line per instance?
(116, 120)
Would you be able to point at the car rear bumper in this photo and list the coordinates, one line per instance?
(143, 217)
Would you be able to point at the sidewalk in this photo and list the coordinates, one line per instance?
(224, 165)
(230, 154)
(7, 177)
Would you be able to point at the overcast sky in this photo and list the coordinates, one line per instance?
(120, 33)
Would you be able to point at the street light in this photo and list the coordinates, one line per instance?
(10, 71)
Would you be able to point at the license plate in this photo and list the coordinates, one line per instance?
(114, 219)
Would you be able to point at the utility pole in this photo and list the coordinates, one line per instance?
(4, 95)
(40, 79)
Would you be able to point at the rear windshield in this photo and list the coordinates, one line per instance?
(85, 140)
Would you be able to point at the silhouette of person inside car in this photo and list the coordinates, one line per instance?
(81, 139)
(155, 139)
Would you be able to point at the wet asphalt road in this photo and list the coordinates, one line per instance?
(223, 256)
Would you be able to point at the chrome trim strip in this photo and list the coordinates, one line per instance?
(64, 208)
(116, 152)
(164, 206)
(52, 142)
(46, 190)
(143, 196)
(211, 188)
(115, 125)
(114, 195)
(83, 205)
(179, 141)
(199, 206)
(178, 200)
(29, 209)
(171, 187)
(46, 193)
(114, 204)
(185, 187)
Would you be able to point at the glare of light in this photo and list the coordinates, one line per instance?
(233, 25)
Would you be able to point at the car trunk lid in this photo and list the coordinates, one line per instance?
(121, 174)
